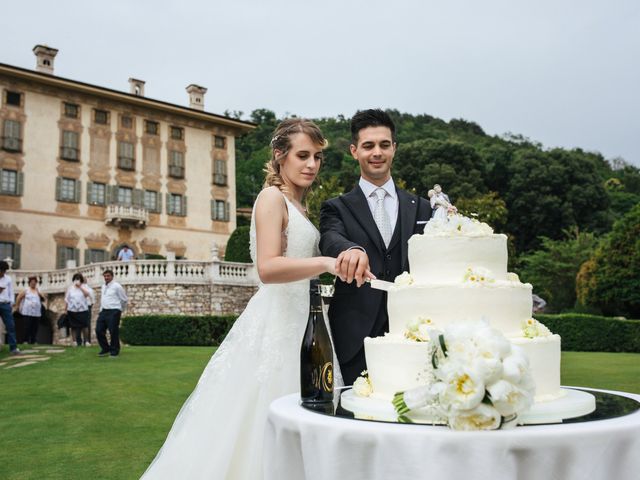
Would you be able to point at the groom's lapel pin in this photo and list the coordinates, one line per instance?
(413, 201)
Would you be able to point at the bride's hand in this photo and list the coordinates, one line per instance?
(330, 265)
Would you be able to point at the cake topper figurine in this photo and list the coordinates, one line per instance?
(441, 206)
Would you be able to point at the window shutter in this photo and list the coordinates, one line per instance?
(158, 202)
(16, 256)
(167, 197)
(87, 256)
(184, 205)
(58, 188)
(136, 197)
(76, 256)
(213, 209)
(89, 193)
(60, 257)
(19, 183)
(227, 206)
(78, 191)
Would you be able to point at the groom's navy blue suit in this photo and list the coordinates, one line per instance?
(356, 313)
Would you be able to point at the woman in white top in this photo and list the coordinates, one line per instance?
(77, 307)
(29, 304)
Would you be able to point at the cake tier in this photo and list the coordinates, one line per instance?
(446, 258)
(396, 364)
(544, 360)
(505, 305)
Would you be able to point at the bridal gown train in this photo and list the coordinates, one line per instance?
(219, 431)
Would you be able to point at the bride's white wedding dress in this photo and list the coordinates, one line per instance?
(219, 431)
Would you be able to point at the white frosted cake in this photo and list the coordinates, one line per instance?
(458, 274)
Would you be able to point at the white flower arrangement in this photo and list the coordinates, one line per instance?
(419, 329)
(478, 275)
(362, 386)
(404, 279)
(513, 277)
(481, 381)
(532, 328)
(457, 225)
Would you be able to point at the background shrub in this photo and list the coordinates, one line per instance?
(238, 246)
(194, 330)
(593, 333)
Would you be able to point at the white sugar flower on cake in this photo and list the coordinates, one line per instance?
(479, 275)
(362, 386)
(404, 279)
(419, 330)
(532, 328)
(457, 225)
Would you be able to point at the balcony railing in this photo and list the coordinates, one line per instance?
(126, 215)
(143, 272)
(12, 144)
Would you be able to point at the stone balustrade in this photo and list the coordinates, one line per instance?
(140, 272)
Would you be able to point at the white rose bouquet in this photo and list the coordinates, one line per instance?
(482, 382)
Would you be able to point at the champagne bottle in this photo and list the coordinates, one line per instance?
(316, 354)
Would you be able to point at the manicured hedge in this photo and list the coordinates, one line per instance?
(238, 246)
(199, 330)
(593, 333)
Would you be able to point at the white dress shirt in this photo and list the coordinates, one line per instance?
(390, 201)
(6, 295)
(113, 297)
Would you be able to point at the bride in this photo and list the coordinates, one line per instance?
(218, 434)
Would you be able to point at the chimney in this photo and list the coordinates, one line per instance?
(45, 56)
(136, 87)
(196, 96)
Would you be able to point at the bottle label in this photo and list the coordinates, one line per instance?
(322, 377)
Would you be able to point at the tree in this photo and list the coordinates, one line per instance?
(488, 208)
(553, 268)
(612, 282)
(238, 246)
(324, 190)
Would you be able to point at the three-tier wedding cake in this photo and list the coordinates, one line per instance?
(458, 274)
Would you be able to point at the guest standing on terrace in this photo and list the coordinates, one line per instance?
(6, 304)
(113, 301)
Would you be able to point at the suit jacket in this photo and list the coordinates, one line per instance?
(346, 222)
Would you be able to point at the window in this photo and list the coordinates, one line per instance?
(12, 136)
(67, 190)
(125, 196)
(151, 201)
(101, 117)
(176, 204)
(220, 210)
(13, 98)
(71, 110)
(10, 250)
(176, 164)
(69, 149)
(96, 194)
(63, 254)
(220, 142)
(220, 172)
(151, 127)
(94, 255)
(126, 158)
(10, 182)
(177, 133)
(126, 121)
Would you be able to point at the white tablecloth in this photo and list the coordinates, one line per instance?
(300, 444)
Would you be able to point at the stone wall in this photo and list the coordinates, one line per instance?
(185, 299)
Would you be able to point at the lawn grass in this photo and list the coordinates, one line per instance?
(77, 416)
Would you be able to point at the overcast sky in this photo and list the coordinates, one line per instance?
(564, 73)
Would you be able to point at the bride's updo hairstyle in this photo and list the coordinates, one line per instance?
(281, 143)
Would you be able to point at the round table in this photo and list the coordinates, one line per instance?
(302, 444)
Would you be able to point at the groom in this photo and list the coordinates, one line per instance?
(367, 229)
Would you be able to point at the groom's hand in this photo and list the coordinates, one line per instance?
(353, 264)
